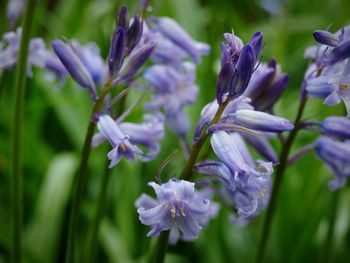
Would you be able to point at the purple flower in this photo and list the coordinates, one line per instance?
(117, 51)
(246, 184)
(136, 60)
(237, 65)
(74, 66)
(146, 134)
(332, 85)
(337, 156)
(174, 32)
(173, 89)
(209, 110)
(90, 56)
(336, 126)
(266, 85)
(121, 144)
(14, 11)
(261, 121)
(178, 208)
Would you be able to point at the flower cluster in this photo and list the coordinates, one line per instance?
(172, 77)
(328, 78)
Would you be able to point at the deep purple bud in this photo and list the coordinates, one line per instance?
(134, 33)
(224, 82)
(122, 19)
(274, 93)
(136, 60)
(256, 43)
(339, 53)
(245, 69)
(258, 120)
(74, 66)
(337, 126)
(117, 51)
(326, 38)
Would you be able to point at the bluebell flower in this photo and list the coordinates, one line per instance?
(237, 65)
(333, 84)
(266, 85)
(14, 11)
(9, 47)
(178, 208)
(336, 126)
(147, 134)
(174, 32)
(136, 60)
(246, 183)
(89, 55)
(74, 66)
(122, 147)
(173, 89)
(209, 110)
(241, 112)
(166, 51)
(261, 121)
(117, 51)
(337, 156)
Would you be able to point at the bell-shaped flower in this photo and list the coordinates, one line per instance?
(336, 126)
(178, 208)
(174, 32)
(121, 144)
(337, 156)
(246, 183)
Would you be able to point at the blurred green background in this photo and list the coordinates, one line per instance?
(56, 120)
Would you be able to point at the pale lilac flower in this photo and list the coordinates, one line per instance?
(89, 55)
(246, 183)
(9, 47)
(173, 89)
(146, 134)
(261, 121)
(120, 142)
(336, 126)
(174, 32)
(14, 11)
(74, 66)
(337, 156)
(178, 208)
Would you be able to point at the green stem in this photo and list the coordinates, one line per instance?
(161, 247)
(186, 173)
(78, 191)
(81, 177)
(331, 227)
(101, 202)
(20, 86)
(277, 183)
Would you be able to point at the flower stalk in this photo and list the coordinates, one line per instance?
(21, 76)
(81, 177)
(280, 170)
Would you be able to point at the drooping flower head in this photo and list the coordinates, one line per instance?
(336, 155)
(178, 208)
(246, 183)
